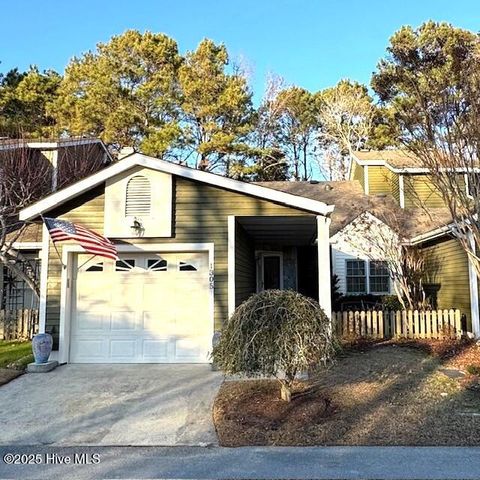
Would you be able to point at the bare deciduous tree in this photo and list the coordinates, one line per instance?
(346, 114)
(382, 240)
(26, 175)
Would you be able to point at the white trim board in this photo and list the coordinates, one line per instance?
(67, 284)
(231, 265)
(42, 309)
(384, 163)
(473, 282)
(401, 191)
(324, 263)
(137, 159)
(27, 245)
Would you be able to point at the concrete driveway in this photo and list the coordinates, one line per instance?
(111, 405)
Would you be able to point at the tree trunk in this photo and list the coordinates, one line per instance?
(305, 169)
(204, 163)
(285, 393)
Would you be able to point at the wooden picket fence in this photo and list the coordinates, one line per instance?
(19, 324)
(399, 324)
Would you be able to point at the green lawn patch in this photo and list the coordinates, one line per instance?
(15, 351)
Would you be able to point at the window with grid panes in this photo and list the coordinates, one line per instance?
(356, 276)
(379, 278)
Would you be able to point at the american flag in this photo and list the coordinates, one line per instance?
(61, 231)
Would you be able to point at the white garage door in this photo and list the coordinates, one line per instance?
(144, 308)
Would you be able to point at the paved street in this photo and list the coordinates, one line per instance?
(251, 463)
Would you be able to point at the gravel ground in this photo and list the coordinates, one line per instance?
(386, 395)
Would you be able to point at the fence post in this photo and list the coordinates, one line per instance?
(351, 322)
(344, 322)
(362, 324)
(375, 324)
(434, 324)
(369, 323)
(428, 325)
(416, 323)
(451, 323)
(458, 323)
(357, 322)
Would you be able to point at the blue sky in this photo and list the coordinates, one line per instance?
(311, 43)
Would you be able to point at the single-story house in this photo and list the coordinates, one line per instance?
(192, 246)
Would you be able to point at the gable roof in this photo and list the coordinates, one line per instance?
(350, 202)
(137, 159)
(13, 143)
(348, 197)
(398, 159)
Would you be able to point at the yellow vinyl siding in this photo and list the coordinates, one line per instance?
(87, 211)
(358, 174)
(379, 180)
(200, 213)
(447, 266)
(420, 192)
(396, 187)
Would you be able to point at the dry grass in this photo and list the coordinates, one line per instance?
(380, 395)
(14, 357)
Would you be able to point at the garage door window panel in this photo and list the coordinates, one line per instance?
(186, 267)
(124, 265)
(98, 267)
(157, 265)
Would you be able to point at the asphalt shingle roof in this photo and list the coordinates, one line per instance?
(350, 201)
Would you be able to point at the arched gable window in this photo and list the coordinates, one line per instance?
(138, 200)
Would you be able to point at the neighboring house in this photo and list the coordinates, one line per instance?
(192, 245)
(423, 220)
(390, 189)
(360, 265)
(64, 157)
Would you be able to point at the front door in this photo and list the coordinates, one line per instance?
(271, 271)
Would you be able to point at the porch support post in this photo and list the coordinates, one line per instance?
(44, 258)
(473, 292)
(231, 264)
(323, 245)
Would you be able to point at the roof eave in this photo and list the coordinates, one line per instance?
(59, 198)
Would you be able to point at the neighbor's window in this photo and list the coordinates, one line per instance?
(356, 278)
(379, 277)
(138, 197)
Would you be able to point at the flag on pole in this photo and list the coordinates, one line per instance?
(92, 242)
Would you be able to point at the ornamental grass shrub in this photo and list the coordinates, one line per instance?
(275, 333)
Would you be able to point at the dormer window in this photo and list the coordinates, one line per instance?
(138, 197)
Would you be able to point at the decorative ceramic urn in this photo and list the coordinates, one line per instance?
(42, 347)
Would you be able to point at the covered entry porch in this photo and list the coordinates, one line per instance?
(278, 252)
